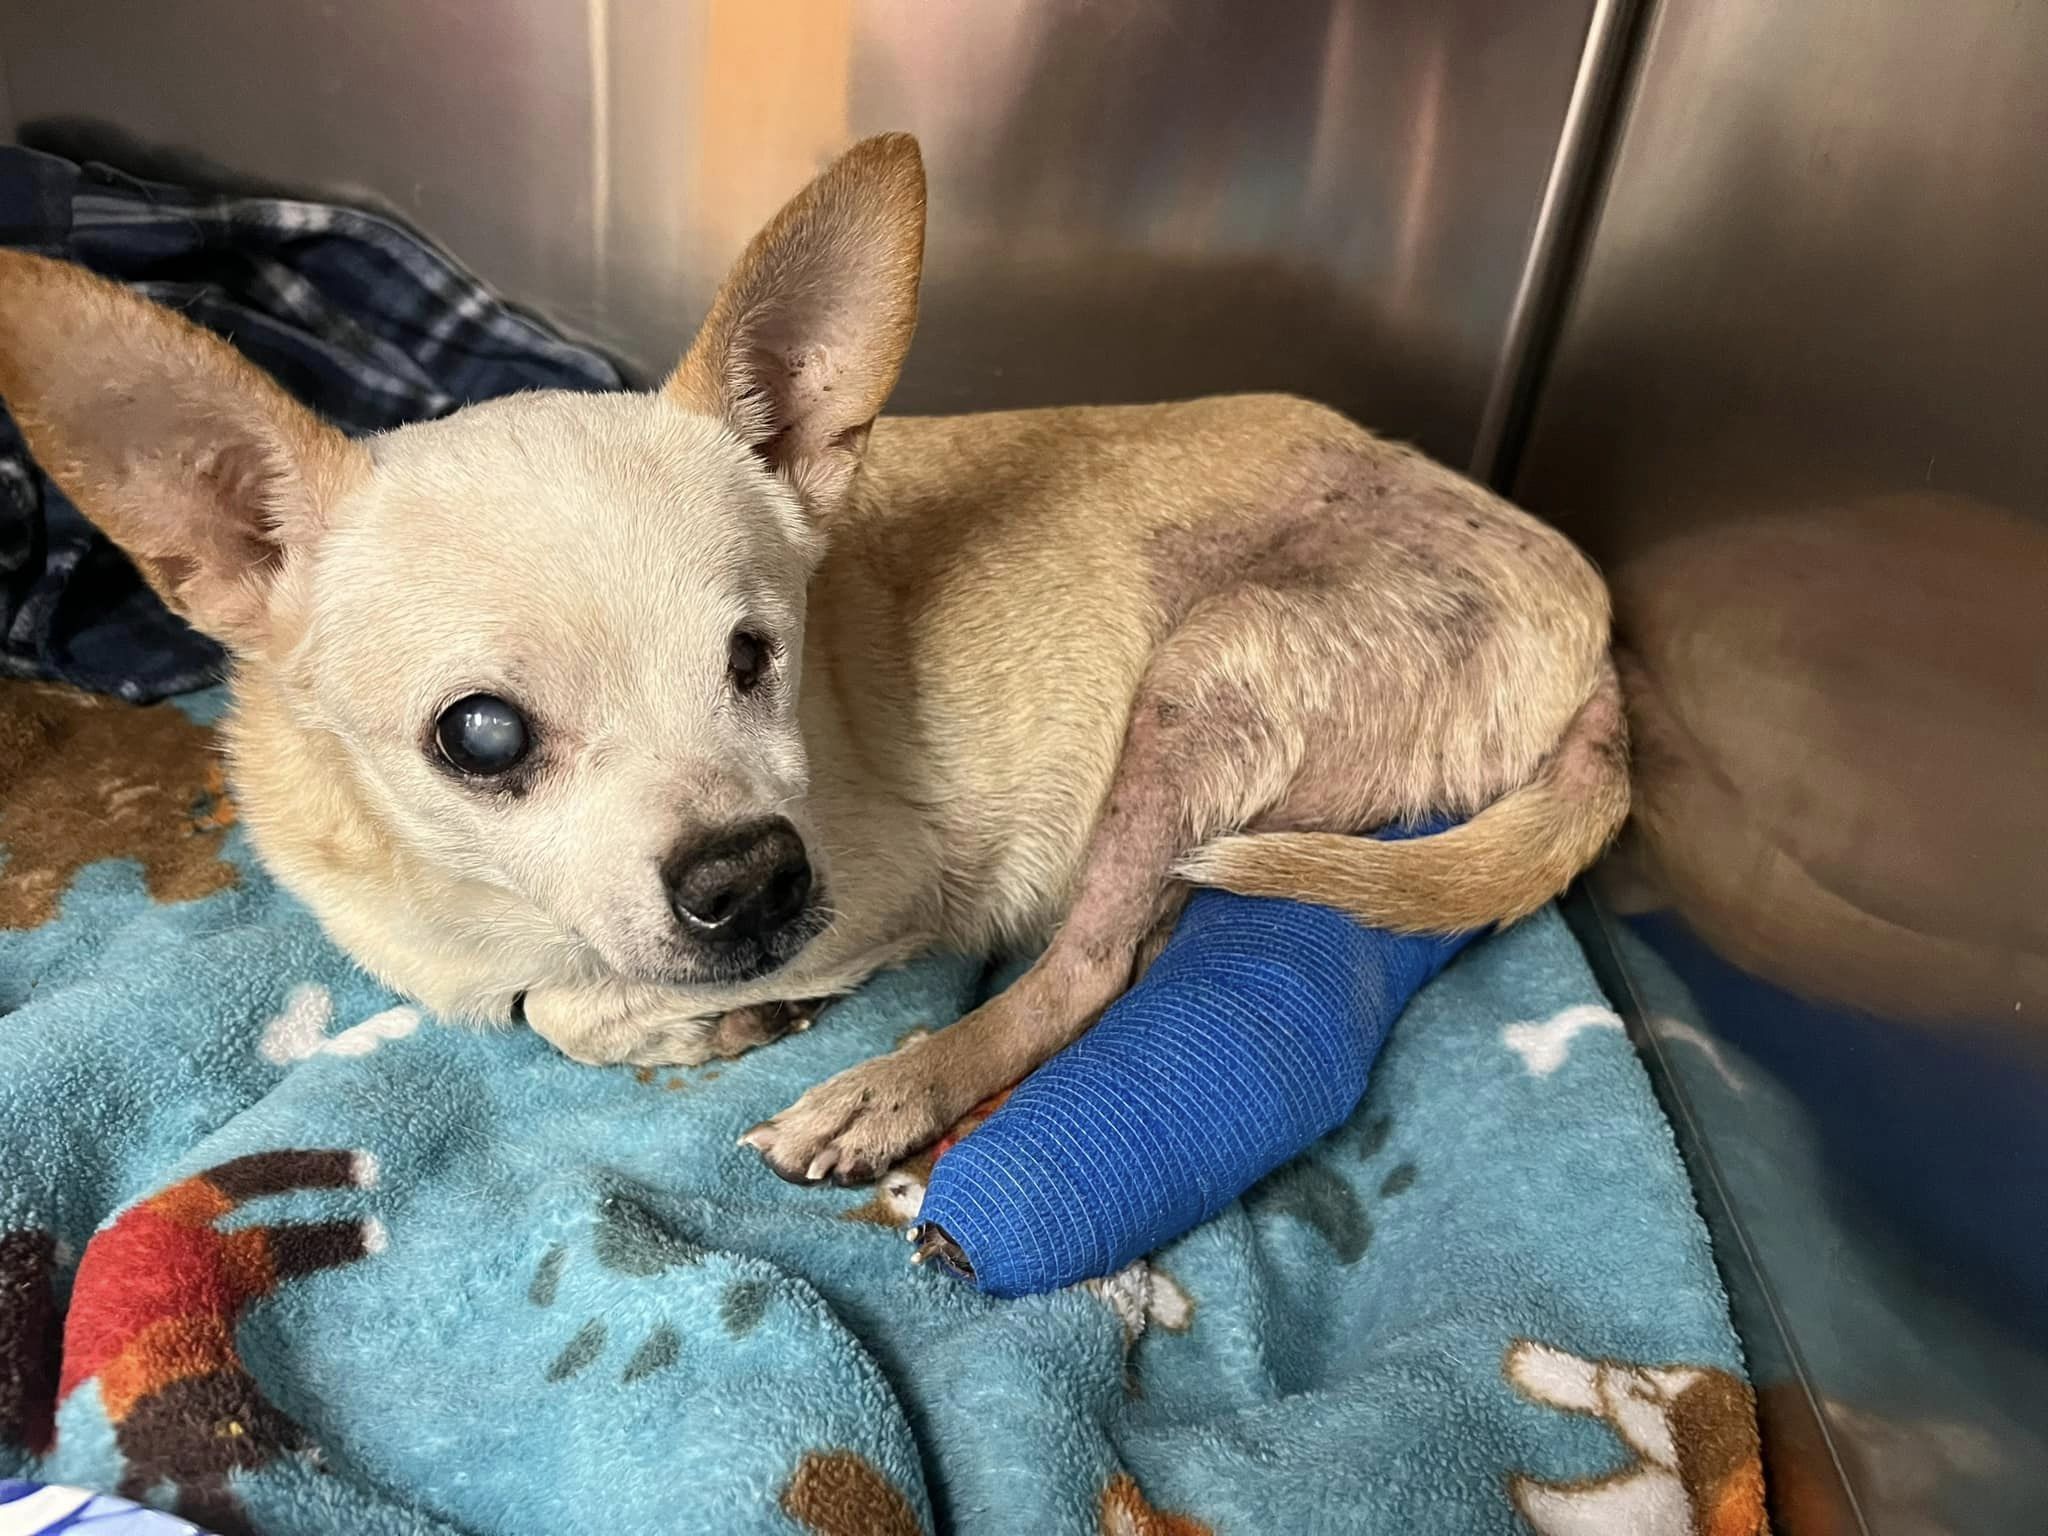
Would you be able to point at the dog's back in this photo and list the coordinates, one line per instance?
(1006, 579)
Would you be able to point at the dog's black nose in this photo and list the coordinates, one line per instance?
(745, 883)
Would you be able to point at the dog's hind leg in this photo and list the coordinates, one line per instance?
(1217, 735)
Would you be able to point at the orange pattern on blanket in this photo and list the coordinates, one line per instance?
(153, 1313)
(88, 779)
(1125, 1512)
(1694, 1466)
(840, 1493)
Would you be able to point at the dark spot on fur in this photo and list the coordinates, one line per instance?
(1460, 625)
(1399, 1181)
(1322, 513)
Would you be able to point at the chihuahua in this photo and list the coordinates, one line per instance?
(656, 720)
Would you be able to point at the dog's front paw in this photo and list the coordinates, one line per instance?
(853, 1128)
(609, 1024)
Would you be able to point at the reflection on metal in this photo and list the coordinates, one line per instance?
(1130, 200)
(1790, 410)
(1554, 245)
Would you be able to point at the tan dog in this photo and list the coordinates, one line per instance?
(660, 717)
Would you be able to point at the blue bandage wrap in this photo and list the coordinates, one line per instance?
(1249, 1038)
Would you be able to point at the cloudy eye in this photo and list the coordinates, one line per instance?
(746, 660)
(482, 735)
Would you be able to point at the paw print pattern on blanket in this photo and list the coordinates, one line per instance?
(153, 1318)
(90, 779)
(1316, 1194)
(629, 1239)
(1690, 1431)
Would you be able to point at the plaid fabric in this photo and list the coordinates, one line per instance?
(352, 312)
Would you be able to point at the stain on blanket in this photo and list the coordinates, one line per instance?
(1693, 1465)
(1126, 1512)
(91, 779)
(30, 1339)
(153, 1317)
(839, 1493)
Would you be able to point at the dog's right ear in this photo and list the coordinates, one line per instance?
(804, 341)
(190, 458)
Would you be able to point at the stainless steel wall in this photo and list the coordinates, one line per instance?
(1793, 409)
(1131, 200)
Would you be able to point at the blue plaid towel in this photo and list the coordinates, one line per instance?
(351, 311)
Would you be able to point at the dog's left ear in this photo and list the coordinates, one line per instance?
(804, 341)
(188, 456)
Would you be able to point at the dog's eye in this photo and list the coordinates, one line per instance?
(746, 660)
(482, 735)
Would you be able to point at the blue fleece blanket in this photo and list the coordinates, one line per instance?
(277, 1251)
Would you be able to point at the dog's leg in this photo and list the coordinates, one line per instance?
(1154, 943)
(1208, 747)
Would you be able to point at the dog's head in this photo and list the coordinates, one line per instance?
(551, 645)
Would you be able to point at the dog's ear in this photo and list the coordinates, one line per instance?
(804, 341)
(190, 458)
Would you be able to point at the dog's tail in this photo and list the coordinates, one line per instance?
(1498, 867)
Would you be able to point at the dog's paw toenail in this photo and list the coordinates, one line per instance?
(821, 1165)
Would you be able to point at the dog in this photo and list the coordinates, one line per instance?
(655, 720)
